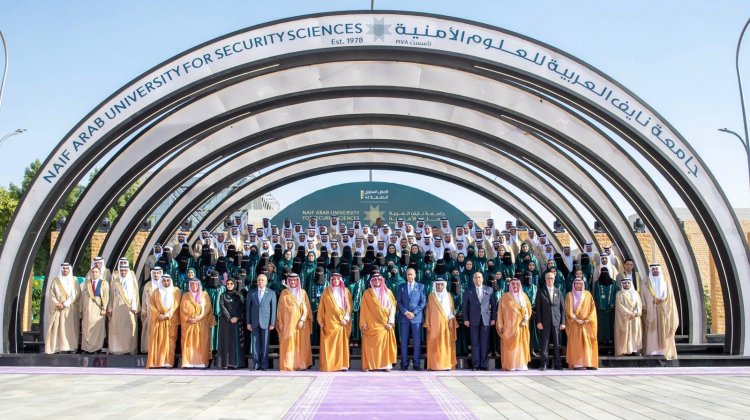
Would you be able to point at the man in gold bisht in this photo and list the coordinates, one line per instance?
(441, 328)
(377, 318)
(165, 302)
(148, 290)
(512, 326)
(62, 312)
(334, 318)
(580, 314)
(196, 319)
(94, 304)
(294, 325)
(660, 319)
(123, 311)
(628, 311)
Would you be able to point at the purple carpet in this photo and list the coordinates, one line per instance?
(390, 395)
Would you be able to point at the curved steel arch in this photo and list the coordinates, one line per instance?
(625, 228)
(734, 283)
(347, 136)
(403, 161)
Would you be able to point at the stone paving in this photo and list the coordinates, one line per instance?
(658, 393)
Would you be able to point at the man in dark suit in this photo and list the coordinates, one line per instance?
(260, 313)
(411, 302)
(550, 316)
(479, 308)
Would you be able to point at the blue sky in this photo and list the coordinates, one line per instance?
(66, 57)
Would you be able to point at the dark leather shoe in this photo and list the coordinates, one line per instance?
(473, 369)
(543, 368)
(559, 368)
(417, 368)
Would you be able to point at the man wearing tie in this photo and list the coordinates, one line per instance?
(550, 315)
(411, 302)
(260, 313)
(479, 308)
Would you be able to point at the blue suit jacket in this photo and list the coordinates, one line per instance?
(414, 303)
(261, 314)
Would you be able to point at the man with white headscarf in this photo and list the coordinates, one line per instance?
(94, 303)
(153, 258)
(334, 317)
(441, 325)
(294, 326)
(123, 309)
(61, 312)
(605, 261)
(513, 314)
(148, 290)
(99, 263)
(628, 311)
(660, 318)
(165, 319)
(235, 237)
(377, 320)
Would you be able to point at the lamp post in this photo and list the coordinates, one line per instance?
(745, 141)
(12, 133)
(5, 67)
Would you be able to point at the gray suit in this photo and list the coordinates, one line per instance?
(480, 315)
(260, 315)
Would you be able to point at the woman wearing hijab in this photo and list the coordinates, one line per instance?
(588, 271)
(165, 320)
(215, 287)
(278, 254)
(507, 266)
(580, 327)
(231, 332)
(286, 261)
(377, 319)
(530, 287)
(307, 272)
(184, 263)
(467, 274)
(480, 262)
(293, 323)
(196, 318)
(457, 291)
(605, 298)
(94, 304)
(334, 319)
(513, 319)
(168, 264)
(525, 256)
(356, 290)
(391, 255)
(319, 284)
(442, 327)
(559, 279)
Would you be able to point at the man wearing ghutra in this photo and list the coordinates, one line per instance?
(94, 304)
(660, 318)
(148, 290)
(628, 311)
(165, 320)
(581, 323)
(377, 319)
(334, 318)
(293, 323)
(196, 318)
(513, 315)
(441, 325)
(123, 311)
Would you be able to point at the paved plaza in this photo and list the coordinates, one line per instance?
(658, 393)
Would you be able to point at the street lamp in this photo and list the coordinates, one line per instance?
(746, 141)
(12, 133)
(5, 67)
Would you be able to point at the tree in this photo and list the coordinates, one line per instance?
(8, 204)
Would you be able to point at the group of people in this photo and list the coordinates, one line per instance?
(474, 291)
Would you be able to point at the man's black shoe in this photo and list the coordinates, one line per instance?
(559, 368)
(543, 368)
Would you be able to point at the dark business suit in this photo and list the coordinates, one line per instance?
(480, 315)
(550, 312)
(411, 302)
(261, 314)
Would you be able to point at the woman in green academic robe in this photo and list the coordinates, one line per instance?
(391, 255)
(605, 293)
(307, 274)
(480, 263)
(523, 257)
(559, 279)
(530, 287)
(286, 261)
(215, 288)
(319, 284)
(507, 266)
(462, 335)
(356, 288)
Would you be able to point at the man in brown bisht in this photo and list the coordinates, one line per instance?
(165, 319)
(148, 290)
(334, 318)
(580, 312)
(196, 319)
(294, 325)
(61, 312)
(123, 311)
(94, 303)
(660, 318)
(441, 328)
(377, 318)
(512, 326)
(628, 311)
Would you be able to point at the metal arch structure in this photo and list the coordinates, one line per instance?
(336, 161)
(525, 61)
(308, 143)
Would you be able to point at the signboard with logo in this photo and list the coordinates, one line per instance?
(368, 201)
